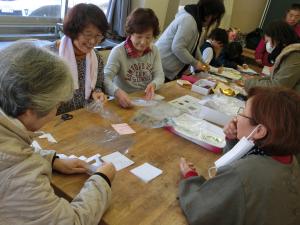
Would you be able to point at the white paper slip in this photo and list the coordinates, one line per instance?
(73, 157)
(158, 97)
(94, 157)
(120, 161)
(36, 145)
(61, 156)
(49, 137)
(146, 172)
(82, 158)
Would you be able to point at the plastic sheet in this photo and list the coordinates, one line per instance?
(105, 138)
(97, 107)
(156, 116)
(224, 104)
(143, 102)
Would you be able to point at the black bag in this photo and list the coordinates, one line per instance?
(253, 38)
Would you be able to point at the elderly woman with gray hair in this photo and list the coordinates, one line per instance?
(33, 83)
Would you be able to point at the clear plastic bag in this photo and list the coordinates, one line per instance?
(97, 107)
(156, 116)
(143, 102)
(104, 138)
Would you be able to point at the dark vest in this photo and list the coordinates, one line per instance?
(214, 61)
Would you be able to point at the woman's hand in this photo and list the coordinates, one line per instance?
(108, 169)
(230, 129)
(186, 167)
(70, 166)
(123, 98)
(201, 66)
(150, 89)
(99, 95)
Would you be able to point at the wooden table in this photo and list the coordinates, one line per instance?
(133, 201)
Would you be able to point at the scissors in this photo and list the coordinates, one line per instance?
(63, 118)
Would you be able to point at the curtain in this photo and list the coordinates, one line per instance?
(117, 12)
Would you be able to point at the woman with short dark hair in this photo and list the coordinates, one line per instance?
(285, 53)
(263, 186)
(179, 43)
(135, 64)
(84, 27)
(33, 83)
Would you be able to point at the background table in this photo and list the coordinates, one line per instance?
(133, 201)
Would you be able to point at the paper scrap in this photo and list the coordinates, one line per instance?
(49, 137)
(123, 128)
(146, 172)
(36, 145)
(120, 161)
(158, 97)
(61, 156)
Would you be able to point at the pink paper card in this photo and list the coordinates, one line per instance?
(123, 128)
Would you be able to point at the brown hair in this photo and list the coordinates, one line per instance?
(278, 109)
(141, 20)
(82, 15)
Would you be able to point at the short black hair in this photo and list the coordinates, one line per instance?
(219, 35)
(281, 32)
(82, 15)
(233, 50)
(294, 6)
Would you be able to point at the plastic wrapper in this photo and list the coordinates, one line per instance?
(105, 139)
(143, 102)
(156, 116)
(224, 104)
(97, 107)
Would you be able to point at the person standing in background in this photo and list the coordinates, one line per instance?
(179, 43)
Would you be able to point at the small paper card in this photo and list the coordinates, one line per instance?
(123, 128)
(120, 161)
(158, 97)
(49, 137)
(146, 172)
(36, 145)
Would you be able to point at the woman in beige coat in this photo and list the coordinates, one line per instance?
(33, 83)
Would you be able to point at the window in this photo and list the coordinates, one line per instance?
(35, 19)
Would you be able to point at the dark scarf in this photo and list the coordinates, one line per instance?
(255, 151)
(194, 10)
(273, 55)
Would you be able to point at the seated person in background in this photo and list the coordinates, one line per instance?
(179, 45)
(263, 186)
(233, 34)
(264, 49)
(84, 27)
(33, 84)
(231, 56)
(135, 64)
(285, 55)
(212, 47)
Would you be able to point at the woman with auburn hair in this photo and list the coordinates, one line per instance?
(263, 186)
(33, 83)
(84, 27)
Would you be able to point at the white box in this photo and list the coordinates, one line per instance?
(203, 86)
(192, 105)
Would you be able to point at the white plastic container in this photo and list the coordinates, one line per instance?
(203, 86)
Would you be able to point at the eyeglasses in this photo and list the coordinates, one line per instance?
(241, 113)
(89, 36)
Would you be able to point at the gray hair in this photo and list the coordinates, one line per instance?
(32, 78)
